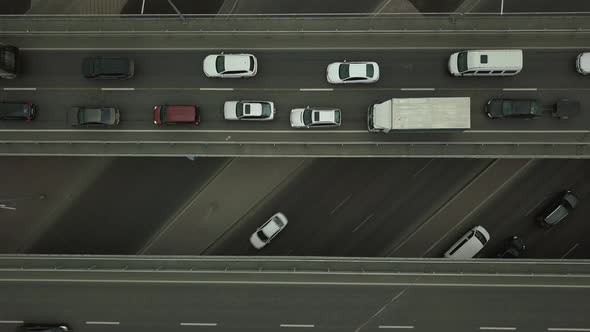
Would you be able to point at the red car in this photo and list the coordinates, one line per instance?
(172, 114)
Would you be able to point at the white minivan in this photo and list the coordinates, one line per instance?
(486, 63)
(469, 244)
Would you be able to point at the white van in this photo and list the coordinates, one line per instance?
(486, 63)
(583, 63)
(469, 245)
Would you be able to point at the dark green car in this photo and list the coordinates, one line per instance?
(513, 108)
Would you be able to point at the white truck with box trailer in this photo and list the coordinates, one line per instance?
(437, 113)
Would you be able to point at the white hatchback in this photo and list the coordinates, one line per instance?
(230, 65)
(265, 233)
(469, 244)
(315, 117)
(353, 72)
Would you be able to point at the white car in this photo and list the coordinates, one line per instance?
(353, 72)
(268, 230)
(469, 244)
(230, 65)
(315, 117)
(249, 110)
(583, 63)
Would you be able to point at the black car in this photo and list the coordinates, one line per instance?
(108, 68)
(94, 116)
(18, 111)
(513, 108)
(559, 209)
(513, 248)
(44, 328)
(9, 61)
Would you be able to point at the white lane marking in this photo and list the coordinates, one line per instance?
(216, 89)
(316, 89)
(396, 326)
(142, 6)
(315, 48)
(577, 329)
(497, 328)
(519, 89)
(297, 325)
(417, 89)
(117, 89)
(382, 7)
(198, 324)
(536, 206)
(502, 8)
(20, 89)
(423, 168)
(569, 251)
(341, 203)
(364, 221)
(11, 322)
(310, 132)
(101, 323)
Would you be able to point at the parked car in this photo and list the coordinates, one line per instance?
(174, 114)
(513, 108)
(271, 228)
(108, 68)
(559, 209)
(469, 244)
(9, 61)
(230, 65)
(94, 116)
(583, 63)
(60, 327)
(249, 110)
(513, 247)
(314, 117)
(18, 111)
(353, 72)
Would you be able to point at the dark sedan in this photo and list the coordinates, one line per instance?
(559, 209)
(513, 108)
(513, 248)
(94, 116)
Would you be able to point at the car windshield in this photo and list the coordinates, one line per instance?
(8, 60)
(240, 109)
(262, 236)
(307, 116)
(370, 70)
(462, 62)
(557, 214)
(337, 117)
(251, 63)
(220, 64)
(266, 110)
(480, 237)
(343, 71)
(163, 113)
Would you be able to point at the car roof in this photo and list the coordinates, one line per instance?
(252, 109)
(323, 116)
(236, 62)
(357, 69)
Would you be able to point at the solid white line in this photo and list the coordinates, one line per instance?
(11, 322)
(417, 89)
(20, 89)
(567, 329)
(310, 132)
(519, 89)
(502, 8)
(496, 328)
(396, 326)
(297, 325)
(198, 324)
(101, 323)
(316, 89)
(216, 89)
(569, 251)
(142, 6)
(315, 48)
(117, 89)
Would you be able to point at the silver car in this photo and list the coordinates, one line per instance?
(315, 117)
(271, 228)
(249, 110)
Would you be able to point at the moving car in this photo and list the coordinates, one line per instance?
(353, 72)
(9, 61)
(173, 114)
(559, 209)
(94, 116)
(271, 228)
(513, 108)
(33, 327)
(18, 111)
(314, 117)
(108, 68)
(513, 248)
(583, 63)
(486, 63)
(249, 110)
(230, 65)
(470, 244)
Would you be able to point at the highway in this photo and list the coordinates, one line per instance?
(458, 298)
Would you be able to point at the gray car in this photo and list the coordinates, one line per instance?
(94, 116)
(559, 209)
